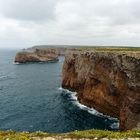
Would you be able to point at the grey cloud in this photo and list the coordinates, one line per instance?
(117, 12)
(31, 10)
(100, 22)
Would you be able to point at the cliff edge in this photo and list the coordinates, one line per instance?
(108, 82)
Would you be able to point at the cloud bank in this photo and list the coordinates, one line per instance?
(92, 22)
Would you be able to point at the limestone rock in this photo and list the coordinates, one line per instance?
(37, 56)
(108, 82)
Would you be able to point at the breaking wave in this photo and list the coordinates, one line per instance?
(3, 77)
(16, 63)
(73, 96)
(115, 125)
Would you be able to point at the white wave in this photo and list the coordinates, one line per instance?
(115, 125)
(88, 109)
(16, 63)
(6, 77)
(73, 95)
(3, 77)
(60, 88)
(66, 90)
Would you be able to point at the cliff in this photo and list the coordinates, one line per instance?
(108, 82)
(39, 55)
(42, 54)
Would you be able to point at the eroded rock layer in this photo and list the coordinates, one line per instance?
(108, 82)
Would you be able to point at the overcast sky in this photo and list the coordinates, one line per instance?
(24, 23)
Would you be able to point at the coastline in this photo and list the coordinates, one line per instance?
(92, 111)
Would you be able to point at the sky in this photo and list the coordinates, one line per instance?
(24, 23)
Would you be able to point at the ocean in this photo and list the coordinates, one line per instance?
(31, 99)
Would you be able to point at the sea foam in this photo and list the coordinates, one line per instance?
(16, 63)
(73, 96)
(115, 125)
(4, 77)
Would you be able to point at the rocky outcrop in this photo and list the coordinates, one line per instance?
(42, 54)
(39, 55)
(108, 82)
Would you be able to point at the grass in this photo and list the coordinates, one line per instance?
(103, 134)
(109, 49)
(104, 48)
(89, 48)
(91, 134)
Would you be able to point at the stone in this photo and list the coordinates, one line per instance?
(108, 82)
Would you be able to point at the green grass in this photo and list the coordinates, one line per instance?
(103, 134)
(98, 134)
(12, 135)
(84, 48)
(101, 49)
(109, 49)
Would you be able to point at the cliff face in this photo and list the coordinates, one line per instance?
(37, 56)
(108, 82)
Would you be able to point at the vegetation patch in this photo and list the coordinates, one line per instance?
(90, 134)
(108, 49)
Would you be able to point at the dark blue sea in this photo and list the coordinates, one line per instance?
(31, 99)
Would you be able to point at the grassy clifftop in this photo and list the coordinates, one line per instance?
(135, 49)
(88, 134)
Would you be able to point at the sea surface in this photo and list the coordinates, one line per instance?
(31, 99)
